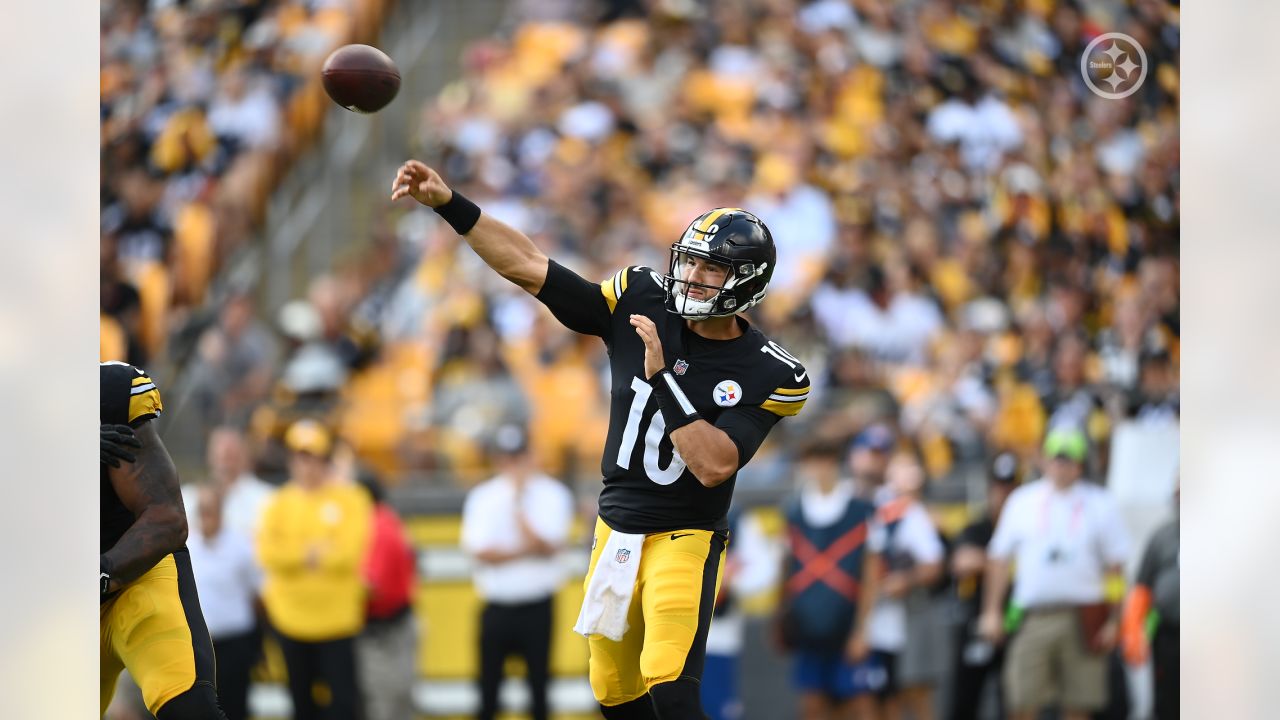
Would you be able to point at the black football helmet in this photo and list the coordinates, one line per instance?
(731, 237)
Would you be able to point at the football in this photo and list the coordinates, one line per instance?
(360, 78)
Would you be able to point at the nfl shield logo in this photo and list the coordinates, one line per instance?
(680, 367)
(622, 556)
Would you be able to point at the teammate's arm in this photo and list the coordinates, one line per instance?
(507, 250)
(148, 487)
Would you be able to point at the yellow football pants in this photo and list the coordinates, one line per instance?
(676, 586)
(154, 627)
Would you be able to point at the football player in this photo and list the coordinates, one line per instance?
(696, 388)
(149, 617)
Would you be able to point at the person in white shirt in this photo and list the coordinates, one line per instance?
(901, 631)
(228, 577)
(513, 526)
(244, 495)
(1066, 537)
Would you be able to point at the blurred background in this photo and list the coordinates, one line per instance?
(974, 248)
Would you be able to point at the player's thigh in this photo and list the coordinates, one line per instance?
(679, 580)
(152, 633)
(1029, 666)
(109, 663)
(614, 667)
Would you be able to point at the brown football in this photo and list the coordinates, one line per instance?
(360, 78)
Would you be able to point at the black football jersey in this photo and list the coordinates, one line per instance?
(126, 396)
(742, 386)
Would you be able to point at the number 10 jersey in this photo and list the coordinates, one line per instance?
(742, 386)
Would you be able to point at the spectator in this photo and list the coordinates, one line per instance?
(1066, 536)
(902, 628)
(244, 495)
(228, 576)
(234, 363)
(888, 320)
(387, 648)
(1154, 601)
(868, 459)
(512, 526)
(1156, 398)
(975, 659)
(312, 543)
(830, 584)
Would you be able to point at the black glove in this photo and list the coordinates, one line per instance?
(114, 440)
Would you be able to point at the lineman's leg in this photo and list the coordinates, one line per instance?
(614, 667)
(109, 663)
(680, 573)
(158, 631)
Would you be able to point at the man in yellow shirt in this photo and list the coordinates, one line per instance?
(311, 542)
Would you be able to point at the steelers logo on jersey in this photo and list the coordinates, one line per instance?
(727, 393)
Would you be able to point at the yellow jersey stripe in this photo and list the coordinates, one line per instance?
(140, 380)
(782, 409)
(790, 391)
(613, 288)
(145, 404)
(705, 225)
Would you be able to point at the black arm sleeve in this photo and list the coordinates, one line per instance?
(747, 427)
(575, 301)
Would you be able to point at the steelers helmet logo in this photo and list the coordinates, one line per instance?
(727, 393)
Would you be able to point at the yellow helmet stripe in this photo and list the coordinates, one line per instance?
(705, 226)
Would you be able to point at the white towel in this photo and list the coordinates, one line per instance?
(608, 596)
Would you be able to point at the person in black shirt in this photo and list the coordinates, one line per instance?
(695, 390)
(976, 661)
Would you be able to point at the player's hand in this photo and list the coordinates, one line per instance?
(420, 182)
(648, 332)
(114, 440)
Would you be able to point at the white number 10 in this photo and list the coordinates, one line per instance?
(657, 426)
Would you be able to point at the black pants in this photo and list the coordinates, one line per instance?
(236, 655)
(334, 662)
(971, 678)
(523, 630)
(1165, 659)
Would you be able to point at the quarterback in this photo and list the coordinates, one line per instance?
(695, 390)
(149, 615)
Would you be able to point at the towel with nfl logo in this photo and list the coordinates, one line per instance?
(608, 596)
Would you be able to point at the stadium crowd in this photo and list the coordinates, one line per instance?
(974, 249)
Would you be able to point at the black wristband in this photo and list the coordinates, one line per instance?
(674, 404)
(104, 576)
(460, 213)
